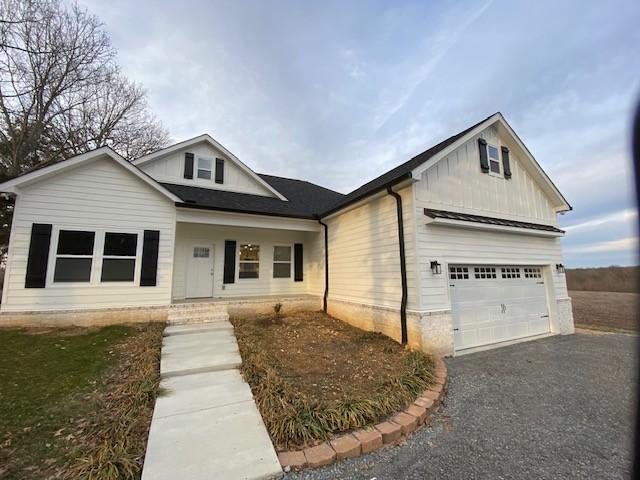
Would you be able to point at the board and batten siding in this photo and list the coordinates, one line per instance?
(170, 169)
(457, 183)
(364, 257)
(215, 235)
(97, 195)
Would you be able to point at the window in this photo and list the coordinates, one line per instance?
(511, 272)
(249, 261)
(119, 258)
(484, 272)
(281, 262)
(200, 252)
(459, 273)
(532, 272)
(204, 168)
(74, 256)
(494, 159)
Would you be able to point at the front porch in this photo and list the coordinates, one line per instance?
(246, 260)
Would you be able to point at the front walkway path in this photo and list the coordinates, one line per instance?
(207, 425)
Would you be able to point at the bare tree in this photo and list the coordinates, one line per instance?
(61, 91)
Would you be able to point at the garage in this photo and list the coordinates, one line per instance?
(497, 303)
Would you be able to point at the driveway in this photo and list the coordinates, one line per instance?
(560, 407)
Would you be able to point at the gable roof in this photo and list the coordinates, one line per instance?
(398, 173)
(51, 168)
(304, 199)
(406, 170)
(206, 138)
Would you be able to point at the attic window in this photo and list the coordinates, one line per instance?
(494, 159)
(204, 168)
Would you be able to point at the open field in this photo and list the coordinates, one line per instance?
(614, 310)
(77, 402)
(604, 279)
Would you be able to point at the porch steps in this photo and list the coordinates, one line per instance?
(197, 313)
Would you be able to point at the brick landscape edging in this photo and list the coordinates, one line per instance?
(366, 440)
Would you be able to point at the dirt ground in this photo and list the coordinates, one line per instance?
(322, 357)
(615, 310)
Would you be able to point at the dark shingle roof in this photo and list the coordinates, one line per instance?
(305, 199)
(399, 172)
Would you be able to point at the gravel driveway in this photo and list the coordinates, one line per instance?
(560, 407)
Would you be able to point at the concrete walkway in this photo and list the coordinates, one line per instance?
(207, 425)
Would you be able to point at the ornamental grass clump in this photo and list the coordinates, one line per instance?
(296, 418)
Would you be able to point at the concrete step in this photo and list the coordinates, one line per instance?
(199, 318)
(222, 307)
(186, 329)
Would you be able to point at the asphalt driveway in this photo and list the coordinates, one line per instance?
(560, 407)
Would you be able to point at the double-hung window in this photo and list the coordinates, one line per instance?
(282, 262)
(494, 159)
(249, 266)
(204, 168)
(119, 257)
(74, 256)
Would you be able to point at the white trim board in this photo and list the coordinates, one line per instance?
(14, 185)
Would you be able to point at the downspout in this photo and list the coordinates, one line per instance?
(326, 265)
(403, 265)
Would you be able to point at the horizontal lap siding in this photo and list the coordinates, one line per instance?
(461, 246)
(96, 195)
(364, 258)
(266, 239)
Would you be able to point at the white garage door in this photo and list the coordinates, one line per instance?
(494, 304)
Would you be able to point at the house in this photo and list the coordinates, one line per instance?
(456, 249)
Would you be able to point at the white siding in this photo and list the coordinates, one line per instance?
(457, 183)
(98, 195)
(364, 258)
(170, 169)
(462, 246)
(266, 239)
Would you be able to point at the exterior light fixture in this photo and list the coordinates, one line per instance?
(559, 268)
(436, 268)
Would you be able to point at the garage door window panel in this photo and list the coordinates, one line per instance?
(484, 272)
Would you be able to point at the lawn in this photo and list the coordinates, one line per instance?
(76, 402)
(607, 310)
(313, 376)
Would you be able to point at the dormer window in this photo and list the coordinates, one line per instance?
(204, 168)
(494, 159)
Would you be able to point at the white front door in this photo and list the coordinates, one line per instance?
(496, 303)
(199, 274)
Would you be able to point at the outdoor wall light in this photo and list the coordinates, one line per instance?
(436, 268)
(559, 268)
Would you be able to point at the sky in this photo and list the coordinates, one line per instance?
(339, 92)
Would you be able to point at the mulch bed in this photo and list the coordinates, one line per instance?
(335, 376)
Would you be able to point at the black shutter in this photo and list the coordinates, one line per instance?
(149, 268)
(229, 275)
(484, 159)
(297, 262)
(506, 165)
(188, 165)
(219, 170)
(38, 256)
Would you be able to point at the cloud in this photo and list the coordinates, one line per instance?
(627, 215)
(629, 244)
(339, 92)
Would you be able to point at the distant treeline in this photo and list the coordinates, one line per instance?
(604, 279)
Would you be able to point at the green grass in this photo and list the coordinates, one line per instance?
(45, 384)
